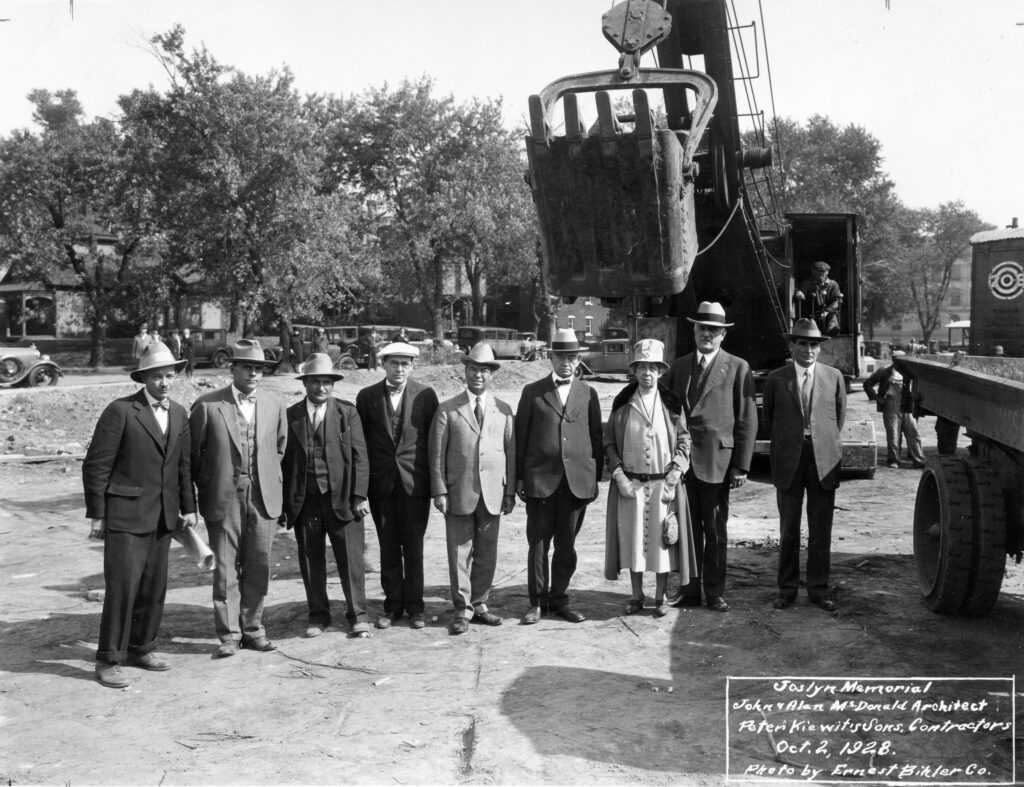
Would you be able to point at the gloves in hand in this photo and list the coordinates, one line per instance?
(626, 488)
(668, 491)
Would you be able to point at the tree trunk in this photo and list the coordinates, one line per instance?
(98, 343)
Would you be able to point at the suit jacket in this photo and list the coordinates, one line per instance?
(785, 423)
(348, 471)
(217, 453)
(133, 473)
(407, 462)
(882, 379)
(551, 444)
(722, 420)
(468, 462)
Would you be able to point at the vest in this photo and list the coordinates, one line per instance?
(316, 459)
(247, 431)
(395, 415)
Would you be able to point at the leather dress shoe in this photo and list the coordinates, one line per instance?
(825, 603)
(417, 621)
(261, 644)
(781, 602)
(460, 625)
(686, 601)
(111, 676)
(487, 618)
(385, 621)
(717, 604)
(660, 608)
(148, 661)
(532, 616)
(225, 649)
(315, 629)
(570, 614)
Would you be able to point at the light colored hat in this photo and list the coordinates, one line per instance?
(156, 356)
(711, 313)
(805, 329)
(399, 348)
(565, 341)
(481, 354)
(319, 365)
(821, 265)
(249, 351)
(649, 351)
(898, 353)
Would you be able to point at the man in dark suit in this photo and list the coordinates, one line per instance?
(396, 414)
(717, 392)
(473, 480)
(326, 475)
(804, 410)
(137, 482)
(559, 460)
(238, 440)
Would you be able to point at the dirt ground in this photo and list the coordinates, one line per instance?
(613, 700)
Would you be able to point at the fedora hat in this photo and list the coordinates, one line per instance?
(319, 365)
(710, 313)
(156, 356)
(649, 351)
(565, 341)
(482, 355)
(399, 348)
(805, 329)
(249, 351)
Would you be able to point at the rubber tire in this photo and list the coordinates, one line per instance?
(221, 358)
(989, 563)
(41, 376)
(11, 370)
(943, 534)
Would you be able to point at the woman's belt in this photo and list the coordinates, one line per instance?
(645, 477)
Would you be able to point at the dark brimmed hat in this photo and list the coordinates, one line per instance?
(821, 265)
(249, 351)
(805, 329)
(482, 355)
(565, 341)
(711, 313)
(156, 356)
(319, 365)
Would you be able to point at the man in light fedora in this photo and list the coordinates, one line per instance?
(137, 481)
(804, 410)
(326, 475)
(559, 460)
(239, 436)
(716, 389)
(396, 414)
(473, 482)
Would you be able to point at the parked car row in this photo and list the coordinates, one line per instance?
(505, 342)
(26, 366)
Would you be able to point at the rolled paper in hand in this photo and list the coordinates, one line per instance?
(198, 549)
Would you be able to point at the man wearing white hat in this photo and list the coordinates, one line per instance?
(239, 436)
(473, 481)
(326, 475)
(396, 414)
(559, 459)
(137, 481)
(716, 389)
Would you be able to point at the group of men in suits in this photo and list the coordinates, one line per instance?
(322, 465)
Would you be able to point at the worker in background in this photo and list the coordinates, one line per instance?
(886, 388)
(819, 299)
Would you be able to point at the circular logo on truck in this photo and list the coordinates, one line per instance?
(1006, 281)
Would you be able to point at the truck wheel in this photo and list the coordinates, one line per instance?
(221, 358)
(989, 563)
(42, 376)
(943, 539)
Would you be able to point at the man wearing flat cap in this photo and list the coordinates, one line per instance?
(137, 483)
(559, 460)
(887, 389)
(819, 298)
(239, 434)
(716, 389)
(326, 475)
(473, 481)
(804, 410)
(396, 414)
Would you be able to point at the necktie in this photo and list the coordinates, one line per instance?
(805, 398)
(479, 412)
(563, 381)
(394, 390)
(250, 399)
(163, 404)
(318, 416)
(695, 381)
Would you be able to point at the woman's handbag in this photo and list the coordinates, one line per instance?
(670, 529)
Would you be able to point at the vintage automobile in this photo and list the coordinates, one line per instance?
(212, 346)
(609, 356)
(532, 348)
(26, 366)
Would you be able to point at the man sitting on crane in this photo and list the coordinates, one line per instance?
(820, 297)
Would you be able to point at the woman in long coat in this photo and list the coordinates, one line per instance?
(647, 450)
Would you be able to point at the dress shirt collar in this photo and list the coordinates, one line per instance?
(709, 358)
(150, 399)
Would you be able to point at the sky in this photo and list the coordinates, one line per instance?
(939, 84)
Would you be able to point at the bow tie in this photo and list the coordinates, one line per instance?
(394, 390)
(250, 399)
(563, 381)
(163, 404)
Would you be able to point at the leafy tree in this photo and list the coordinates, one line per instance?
(60, 190)
(444, 190)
